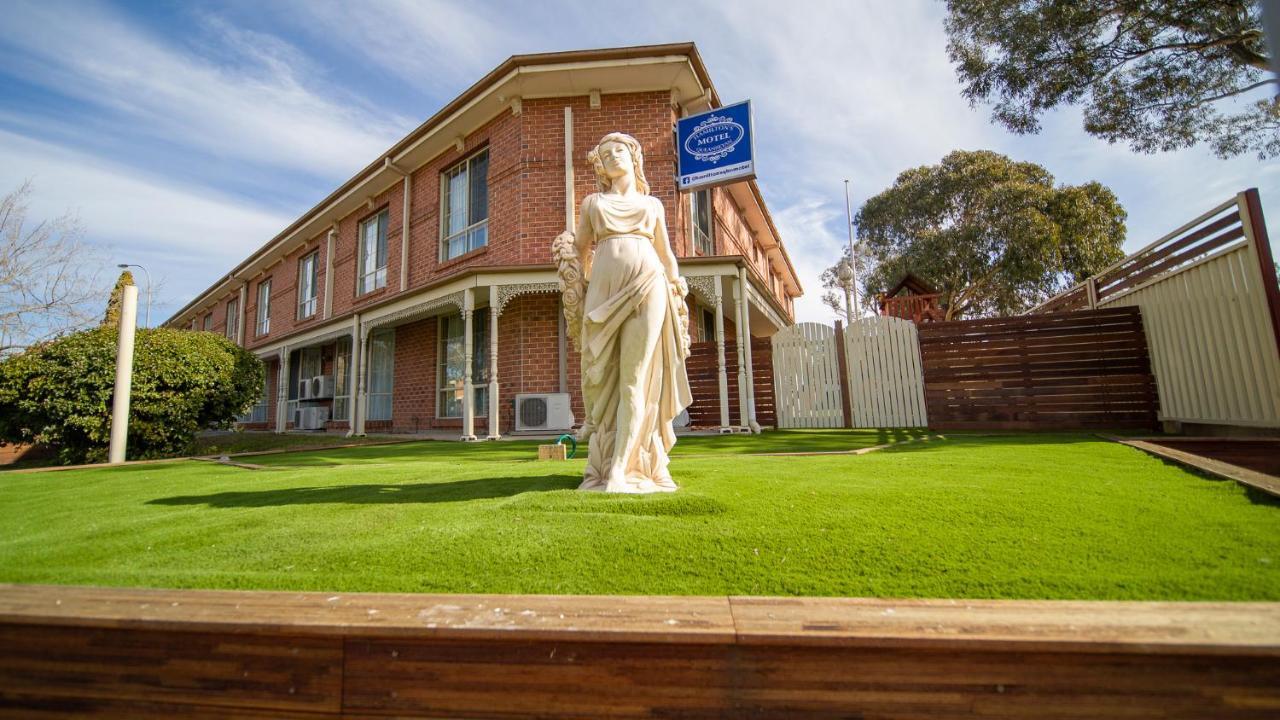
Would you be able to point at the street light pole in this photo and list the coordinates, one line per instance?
(853, 259)
(147, 321)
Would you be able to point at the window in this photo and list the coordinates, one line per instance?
(342, 380)
(258, 413)
(452, 361)
(372, 272)
(264, 307)
(233, 318)
(464, 206)
(707, 332)
(702, 243)
(307, 285)
(382, 357)
(208, 322)
(303, 365)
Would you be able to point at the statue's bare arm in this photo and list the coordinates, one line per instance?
(662, 244)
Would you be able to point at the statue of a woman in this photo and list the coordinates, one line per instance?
(624, 303)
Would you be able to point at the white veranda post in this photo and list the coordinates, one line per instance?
(494, 433)
(739, 298)
(124, 375)
(282, 390)
(468, 394)
(722, 377)
(745, 324)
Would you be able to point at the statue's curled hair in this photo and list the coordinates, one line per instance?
(637, 161)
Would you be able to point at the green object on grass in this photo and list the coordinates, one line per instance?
(1017, 516)
(573, 444)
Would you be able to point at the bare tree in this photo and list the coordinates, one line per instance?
(50, 278)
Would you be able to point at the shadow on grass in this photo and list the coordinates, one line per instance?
(458, 491)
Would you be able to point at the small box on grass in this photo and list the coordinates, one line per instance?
(556, 451)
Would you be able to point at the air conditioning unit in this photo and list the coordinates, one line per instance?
(304, 389)
(543, 411)
(321, 387)
(312, 418)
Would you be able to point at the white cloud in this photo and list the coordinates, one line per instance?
(432, 45)
(186, 236)
(258, 106)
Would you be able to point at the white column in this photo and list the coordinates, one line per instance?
(331, 243)
(722, 377)
(282, 390)
(406, 212)
(746, 335)
(361, 401)
(739, 297)
(353, 383)
(468, 396)
(494, 433)
(124, 375)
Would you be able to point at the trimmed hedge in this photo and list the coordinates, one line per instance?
(59, 393)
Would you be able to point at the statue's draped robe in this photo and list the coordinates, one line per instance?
(621, 278)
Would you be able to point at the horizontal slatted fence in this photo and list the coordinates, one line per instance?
(1086, 369)
(1208, 294)
(704, 382)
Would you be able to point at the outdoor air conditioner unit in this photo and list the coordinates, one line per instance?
(304, 389)
(321, 387)
(312, 418)
(543, 411)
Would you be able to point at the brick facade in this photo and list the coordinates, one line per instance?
(526, 210)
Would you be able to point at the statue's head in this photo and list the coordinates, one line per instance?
(616, 154)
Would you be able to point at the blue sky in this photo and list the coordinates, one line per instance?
(187, 135)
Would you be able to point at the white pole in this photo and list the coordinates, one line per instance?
(124, 375)
(853, 259)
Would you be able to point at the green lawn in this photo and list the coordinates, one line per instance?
(1018, 516)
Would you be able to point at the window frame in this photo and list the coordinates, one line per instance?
(389, 394)
(467, 230)
(233, 318)
(207, 324)
(479, 361)
(379, 273)
(262, 319)
(704, 245)
(307, 306)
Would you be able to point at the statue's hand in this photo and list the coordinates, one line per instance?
(564, 247)
(680, 286)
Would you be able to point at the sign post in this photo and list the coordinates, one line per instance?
(715, 147)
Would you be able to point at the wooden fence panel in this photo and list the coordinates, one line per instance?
(704, 381)
(1211, 306)
(886, 381)
(807, 377)
(1087, 369)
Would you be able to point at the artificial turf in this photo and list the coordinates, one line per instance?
(1018, 516)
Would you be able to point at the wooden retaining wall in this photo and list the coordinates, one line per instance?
(1069, 370)
(73, 652)
(703, 371)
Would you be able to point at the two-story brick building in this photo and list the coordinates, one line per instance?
(421, 292)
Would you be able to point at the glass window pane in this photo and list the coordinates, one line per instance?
(479, 198)
(478, 237)
(381, 258)
(457, 205)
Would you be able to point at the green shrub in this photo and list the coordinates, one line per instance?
(59, 393)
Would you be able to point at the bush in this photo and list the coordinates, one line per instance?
(59, 393)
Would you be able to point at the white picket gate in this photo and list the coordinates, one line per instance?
(806, 377)
(886, 377)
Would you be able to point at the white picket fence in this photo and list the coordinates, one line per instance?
(806, 377)
(886, 377)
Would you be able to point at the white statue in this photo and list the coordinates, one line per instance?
(624, 304)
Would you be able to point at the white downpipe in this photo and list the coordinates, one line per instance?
(124, 375)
